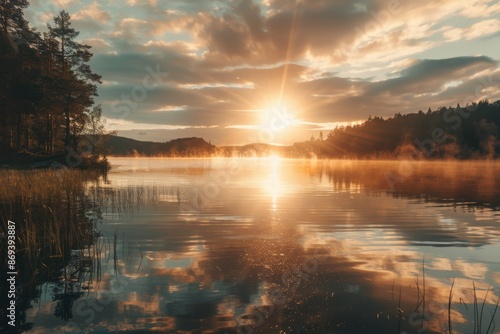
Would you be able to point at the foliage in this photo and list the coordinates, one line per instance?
(182, 147)
(46, 86)
(459, 133)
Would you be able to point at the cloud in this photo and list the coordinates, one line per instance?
(342, 30)
(478, 30)
(481, 8)
(94, 12)
(247, 33)
(485, 85)
(421, 85)
(430, 75)
(98, 45)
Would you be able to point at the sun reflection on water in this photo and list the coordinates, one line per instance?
(273, 183)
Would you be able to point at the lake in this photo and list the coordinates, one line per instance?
(273, 245)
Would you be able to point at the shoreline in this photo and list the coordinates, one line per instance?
(27, 161)
(23, 161)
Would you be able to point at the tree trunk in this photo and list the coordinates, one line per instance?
(27, 135)
(48, 139)
(67, 141)
(19, 130)
(11, 136)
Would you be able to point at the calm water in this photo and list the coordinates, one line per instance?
(292, 246)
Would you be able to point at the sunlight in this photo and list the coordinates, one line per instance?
(275, 160)
(272, 184)
(278, 117)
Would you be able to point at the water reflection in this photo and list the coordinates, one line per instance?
(298, 246)
(272, 184)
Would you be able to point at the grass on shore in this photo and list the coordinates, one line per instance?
(481, 322)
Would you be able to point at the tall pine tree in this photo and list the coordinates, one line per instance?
(78, 82)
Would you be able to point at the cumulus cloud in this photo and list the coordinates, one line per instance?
(93, 11)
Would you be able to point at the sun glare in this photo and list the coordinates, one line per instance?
(275, 160)
(278, 117)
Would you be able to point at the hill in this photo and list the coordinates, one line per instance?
(252, 150)
(466, 132)
(182, 147)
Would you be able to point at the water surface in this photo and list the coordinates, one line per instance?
(292, 246)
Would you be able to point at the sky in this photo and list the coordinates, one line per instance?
(279, 71)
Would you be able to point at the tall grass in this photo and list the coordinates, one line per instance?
(479, 319)
(49, 209)
(55, 236)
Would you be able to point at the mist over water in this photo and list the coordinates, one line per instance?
(301, 246)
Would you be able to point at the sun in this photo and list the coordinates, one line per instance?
(278, 117)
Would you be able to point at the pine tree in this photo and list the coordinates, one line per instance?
(11, 16)
(17, 59)
(77, 79)
(51, 105)
(46, 85)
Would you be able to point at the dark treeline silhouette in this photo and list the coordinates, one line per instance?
(459, 133)
(46, 87)
(182, 147)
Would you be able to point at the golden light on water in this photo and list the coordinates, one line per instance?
(273, 184)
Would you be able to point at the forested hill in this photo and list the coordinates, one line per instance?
(183, 147)
(462, 133)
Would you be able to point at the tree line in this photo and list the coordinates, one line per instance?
(468, 132)
(47, 87)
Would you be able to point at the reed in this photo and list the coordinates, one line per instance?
(49, 210)
(478, 313)
(56, 238)
(450, 300)
(478, 308)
